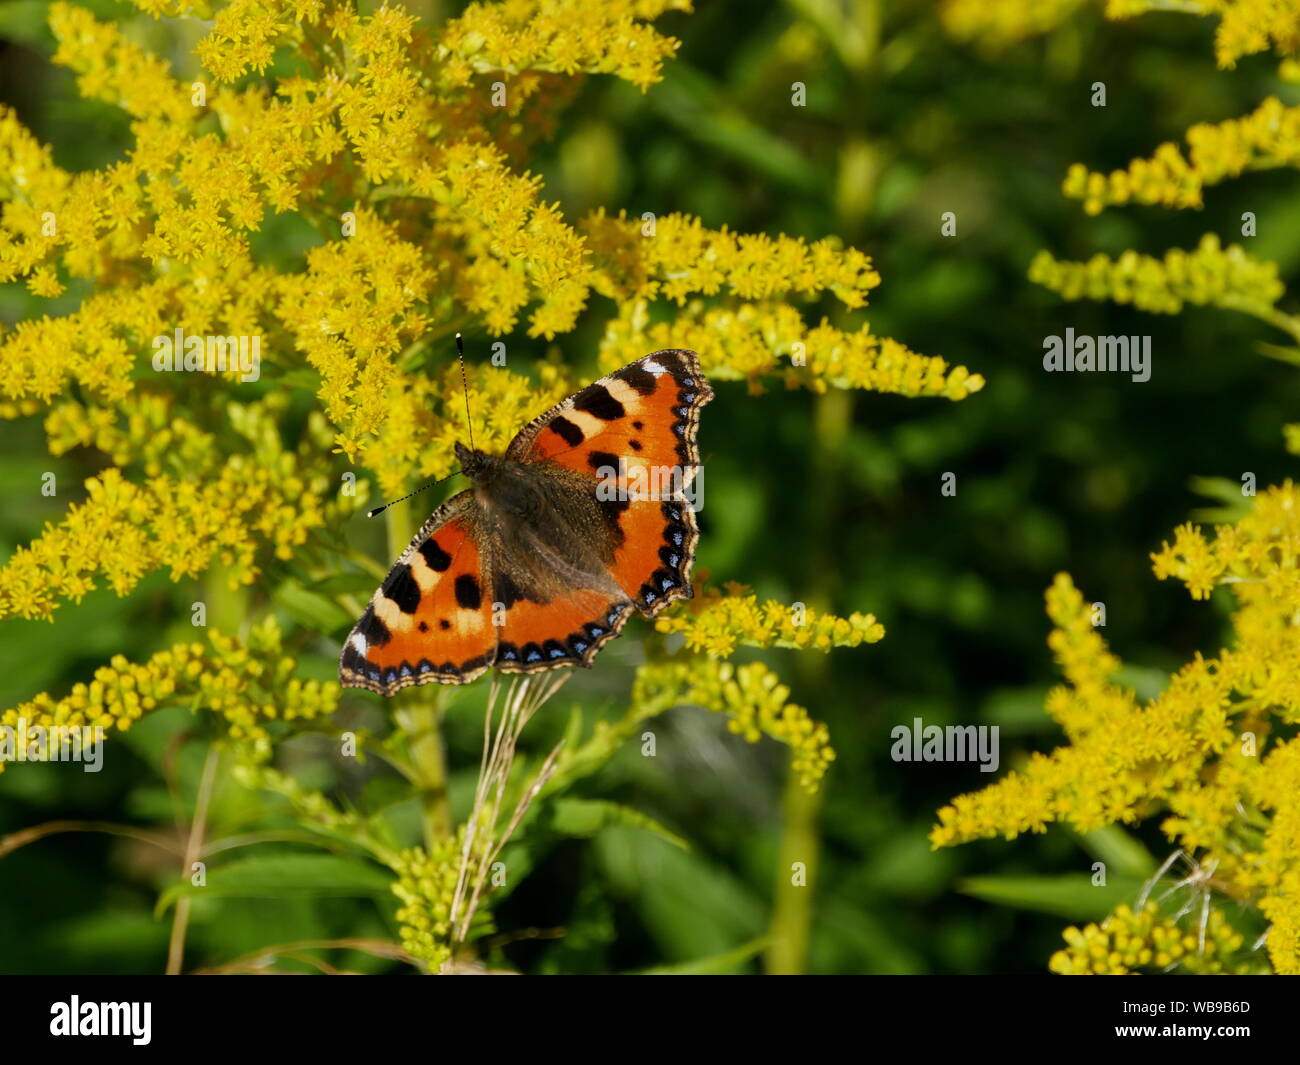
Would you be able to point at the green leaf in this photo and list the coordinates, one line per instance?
(583, 818)
(717, 965)
(282, 876)
(690, 905)
(690, 100)
(308, 608)
(26, 21)
(1122, 853)
(1071, 895)
(308, 380)
(353, 582)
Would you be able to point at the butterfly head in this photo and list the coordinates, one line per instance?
(476, 464)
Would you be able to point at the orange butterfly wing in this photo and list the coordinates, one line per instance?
(635, 431)
(431, 620)
(567, 631)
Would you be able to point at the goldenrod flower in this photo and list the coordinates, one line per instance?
(718, 623)
(567, 36)
(1128, 942)
(1204, 750)
(426, 886)
(248, 682)
(1245, 26)
(995, 24)
(123, 531)
(1267, 138)
(1210, 275)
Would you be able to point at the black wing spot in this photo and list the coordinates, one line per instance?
(424, 626)
(435, 556)
(508, 593)
(612, 511)
(642, 380)
(567, 431)
(444, 624)
(401, 588)
(600, 460)
(638, 426)
(672, 362)
(596, 400)
(468, 594)
(375, 631)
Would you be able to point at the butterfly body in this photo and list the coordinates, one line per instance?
(542, 527)
(555, 544)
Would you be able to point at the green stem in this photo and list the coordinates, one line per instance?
(796, 863)
(792, 910)
(1288, 323)
(193, 849)
(422, 723)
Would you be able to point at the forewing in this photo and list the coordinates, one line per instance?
(431, 619)
(634, 433)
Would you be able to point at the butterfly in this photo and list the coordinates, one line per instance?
(583, 521)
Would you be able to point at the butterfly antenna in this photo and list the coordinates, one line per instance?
(464, 384)
(381, 509)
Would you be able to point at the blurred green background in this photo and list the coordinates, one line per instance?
(834, 500)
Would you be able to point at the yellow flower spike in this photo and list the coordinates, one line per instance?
(564, 35)
(1210, 275)
(1266, 138)
(426, 885)
(1182, 750)
(718, 623)
(184, 672)
(997, 24)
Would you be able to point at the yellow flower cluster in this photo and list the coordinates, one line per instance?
(1263, 548)
(680, 258)
(1089, 699)
(248, 682)
(718, 623)
(123, 531)
(753, 698)
(427, 419)
(1274, 870)
(169, 226)
(426, 885)
(1212, 749)
(758, 340)
(1128, 942)
(1245, 26)
(403, 146)
(1267, 138)
(565, 36)
(998, 23)
(150, 432)
(351, 312)
(1209, 275)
